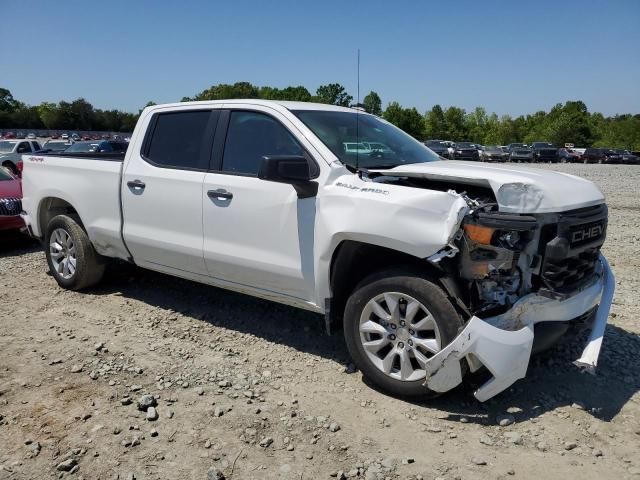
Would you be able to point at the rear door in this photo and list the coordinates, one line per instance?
(162, 190)
(257, 233)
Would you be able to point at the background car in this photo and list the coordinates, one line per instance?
(544, 152)
(568, 155)
(56, 146)
(601, 155)
(64, 136)
(31, 136)
(465, 151)
(492, 153)
(11, 152)
(439, 147)
(105, 146)
(628, 157)
(10, 201)
(519, 152)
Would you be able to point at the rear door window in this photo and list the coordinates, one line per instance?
(181, 139)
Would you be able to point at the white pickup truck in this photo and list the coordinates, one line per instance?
(433, 268)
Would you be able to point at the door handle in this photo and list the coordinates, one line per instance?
(220, 194)
(136, 184)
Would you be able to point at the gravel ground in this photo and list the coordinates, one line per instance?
(151, 377)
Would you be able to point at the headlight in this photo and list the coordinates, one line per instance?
(519, 195)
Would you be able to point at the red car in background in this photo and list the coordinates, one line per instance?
(10, 201)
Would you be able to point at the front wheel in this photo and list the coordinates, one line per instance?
(394, 322)
(72, 260)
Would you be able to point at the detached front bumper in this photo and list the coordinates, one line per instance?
(503, 343)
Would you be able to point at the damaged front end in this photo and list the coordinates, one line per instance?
(513, 272)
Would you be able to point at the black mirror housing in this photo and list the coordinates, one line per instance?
(293, 169)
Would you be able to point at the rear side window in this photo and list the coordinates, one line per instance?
(251, 136)
(181, 140)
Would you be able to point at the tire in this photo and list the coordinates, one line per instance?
(89, 265)
(413, 286)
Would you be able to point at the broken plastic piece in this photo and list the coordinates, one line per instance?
(503, 343)
(589, 358)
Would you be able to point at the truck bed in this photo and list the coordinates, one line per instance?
(89, 182)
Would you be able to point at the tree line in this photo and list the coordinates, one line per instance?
(76, 115)
(570, 122)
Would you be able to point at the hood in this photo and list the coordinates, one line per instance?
(10, 188)
(517, 189)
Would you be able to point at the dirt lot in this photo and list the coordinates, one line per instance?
(249, 389)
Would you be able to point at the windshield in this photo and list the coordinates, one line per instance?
(83, 147)
(542, 145)
(465, 145)
(361, 140)
(6, 147)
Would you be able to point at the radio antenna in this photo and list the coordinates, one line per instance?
(358, 112)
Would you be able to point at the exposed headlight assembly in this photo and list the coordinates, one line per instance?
(523, 196)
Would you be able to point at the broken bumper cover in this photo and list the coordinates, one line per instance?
(503, 343)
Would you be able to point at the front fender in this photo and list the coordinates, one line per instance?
(418, 222)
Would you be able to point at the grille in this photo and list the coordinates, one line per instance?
(570, 273)
(10, 206)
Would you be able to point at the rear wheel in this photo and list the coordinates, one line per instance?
(72, 260)
(394, 322)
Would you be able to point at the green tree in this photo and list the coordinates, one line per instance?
(476, 125)
(224, 91)
(454, 118)
(372, 103)
(407, 119)
(7, 102)
(435, 124)
(333, 94)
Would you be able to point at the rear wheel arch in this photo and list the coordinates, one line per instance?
(50, 207)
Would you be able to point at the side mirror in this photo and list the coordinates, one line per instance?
(293, 169)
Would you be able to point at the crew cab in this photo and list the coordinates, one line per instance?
(432, 268)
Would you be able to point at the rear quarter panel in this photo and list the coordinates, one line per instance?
(92, 187)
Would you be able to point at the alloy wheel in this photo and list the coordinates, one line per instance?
(399, 335)
(63, 253)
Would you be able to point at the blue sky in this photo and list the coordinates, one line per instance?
(508, 56)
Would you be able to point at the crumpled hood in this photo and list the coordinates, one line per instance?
(517, 189)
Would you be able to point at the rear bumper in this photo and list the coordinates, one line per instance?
(503, 343)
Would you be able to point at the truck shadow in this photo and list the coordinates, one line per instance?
(552, 383)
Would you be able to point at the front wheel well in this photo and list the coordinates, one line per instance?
(353, 261)
(53, 206)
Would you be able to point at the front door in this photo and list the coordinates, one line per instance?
(258, 233)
